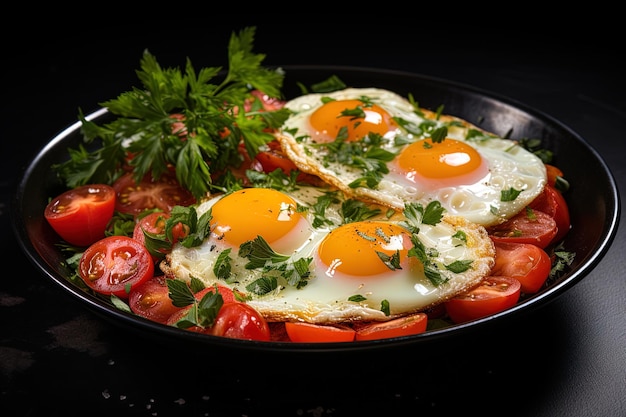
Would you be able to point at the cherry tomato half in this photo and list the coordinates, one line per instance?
(240, 321)
(115, 265)
(493, 295)
(528, 226)
(269, 160)
(527, 263)
(154, 223)
(317, 333)
(553, 172)
(267, 103)
(403, 326)
(152, 300)
(162, 194)
(228, 296)
(552, 202)
(80, 215)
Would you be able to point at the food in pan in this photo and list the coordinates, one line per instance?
(339, 271)
(376, 145)
(324, 232)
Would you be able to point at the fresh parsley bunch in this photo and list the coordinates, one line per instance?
(209, 104)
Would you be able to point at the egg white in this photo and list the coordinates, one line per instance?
(509, 165)
(325, 299)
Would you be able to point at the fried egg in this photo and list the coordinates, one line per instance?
(306, 256)
(378, 146)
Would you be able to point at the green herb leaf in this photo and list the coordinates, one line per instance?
(148, 122)
(509, 195)
(259, 253)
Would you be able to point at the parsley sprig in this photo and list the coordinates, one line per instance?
(209, 104)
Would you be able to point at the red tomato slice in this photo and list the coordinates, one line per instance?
(115, 265)
(228, 296)
(240, 321)
(527, 263)
(403, 326)
(269, 160)
(178, 315)
(152, 300)
(553, 172)
(528, 226)
(552, 202)
(272, 159)
(152, 223)
(493, 295)
(81, 215)
(268, 103)
(317, 333)
(162, 194)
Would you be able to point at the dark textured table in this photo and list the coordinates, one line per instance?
(565, 359)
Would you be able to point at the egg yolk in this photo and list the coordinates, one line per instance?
(358, 119)
(354, 248)
(449, 162)
(251, 212)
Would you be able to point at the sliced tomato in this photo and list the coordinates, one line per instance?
(162, 194)
(269, 160)
(273, 159)
(154, 223)
(528, 226)
(228, 296)
(493, 295)
(267, 103)
(301, 332)
(527, 263)
(80, 215)
(238, 320)
(115, 265)
(179, 315)
(152, 300)
(403, 326)
(552, 202)
(553, 172)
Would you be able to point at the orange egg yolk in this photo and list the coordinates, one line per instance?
(352, 248)
(357, 118)
(449, 162)
(251, 212)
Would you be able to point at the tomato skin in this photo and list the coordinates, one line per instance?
(552, 202)
(151, 223)
(238, 320)
(155, 223)
(177, 315)
(152, 300)
(115, 265)
(403, 326)
(162, 194)
(81, 215)
(540, 229)
(228, 296)
(301, 332)
(269, 160)
(268, 103)
(272, 159)
(527, 263)
(553, 172)
(493, 295)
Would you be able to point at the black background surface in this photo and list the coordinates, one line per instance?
(566, 359)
